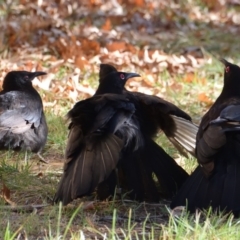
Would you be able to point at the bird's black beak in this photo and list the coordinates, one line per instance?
(225, 62)
(131, 75)
(36, 74)
(32, 75)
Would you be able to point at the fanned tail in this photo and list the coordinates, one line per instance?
(219, 191)
(137, 177)
(170, 175)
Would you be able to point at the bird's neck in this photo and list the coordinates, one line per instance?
(7, 87)
(103, 89)
(226, 98)
(230, 92)
(29, 90)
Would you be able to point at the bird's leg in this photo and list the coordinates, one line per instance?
(26, 158)
(118, 188)
(42, 159)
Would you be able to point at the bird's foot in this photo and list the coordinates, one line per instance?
(42, 159)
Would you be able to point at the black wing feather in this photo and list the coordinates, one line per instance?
(94, 145)
(22, 121)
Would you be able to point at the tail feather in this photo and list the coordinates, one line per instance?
(170, 175)
(231, 186)
(96, 160)
(152, 159)
(107, 188)
(134, 177)
(138, 169)
(130, 166)
(190, 192)
(200, 192)
(220, 190)
(150, 187)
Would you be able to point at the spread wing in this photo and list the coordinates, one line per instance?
(155, 113)
(100, 128)
(216, 181)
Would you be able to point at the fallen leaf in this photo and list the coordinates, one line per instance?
(80, 62)
(107, 25)
(6, 192)
(88, 205)
(6, 195)
(189, 78)
(178, 211)
(202, 97)
(116, 46)
(139, 3)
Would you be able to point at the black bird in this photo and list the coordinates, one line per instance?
(100, 127)
(137, 168)
(216, 181)
(105, 131)
(22, 121)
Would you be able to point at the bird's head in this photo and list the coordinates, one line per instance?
(112, 81)
(16, 80)
(231, 86)
(231, 71)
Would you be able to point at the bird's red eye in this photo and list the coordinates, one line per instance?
(122, 76)
(227, 69)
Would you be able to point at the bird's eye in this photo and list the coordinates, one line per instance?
(26, 77)
(227, 69)
(122, 76)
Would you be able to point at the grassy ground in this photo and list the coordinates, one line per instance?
(189, 35)
(27, 210)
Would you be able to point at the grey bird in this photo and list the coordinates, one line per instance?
(22, 121)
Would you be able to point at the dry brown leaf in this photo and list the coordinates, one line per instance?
(80, 62)
(176, 86)
(213, 4)
(88, 206)
(139, 3)
(202, 97)
(40, 175)
(189, 78)
(94, 3)
(6, 194)
(90, 47)
(107, 26)
(116, 46)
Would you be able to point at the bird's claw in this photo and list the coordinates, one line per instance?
(42, 159)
